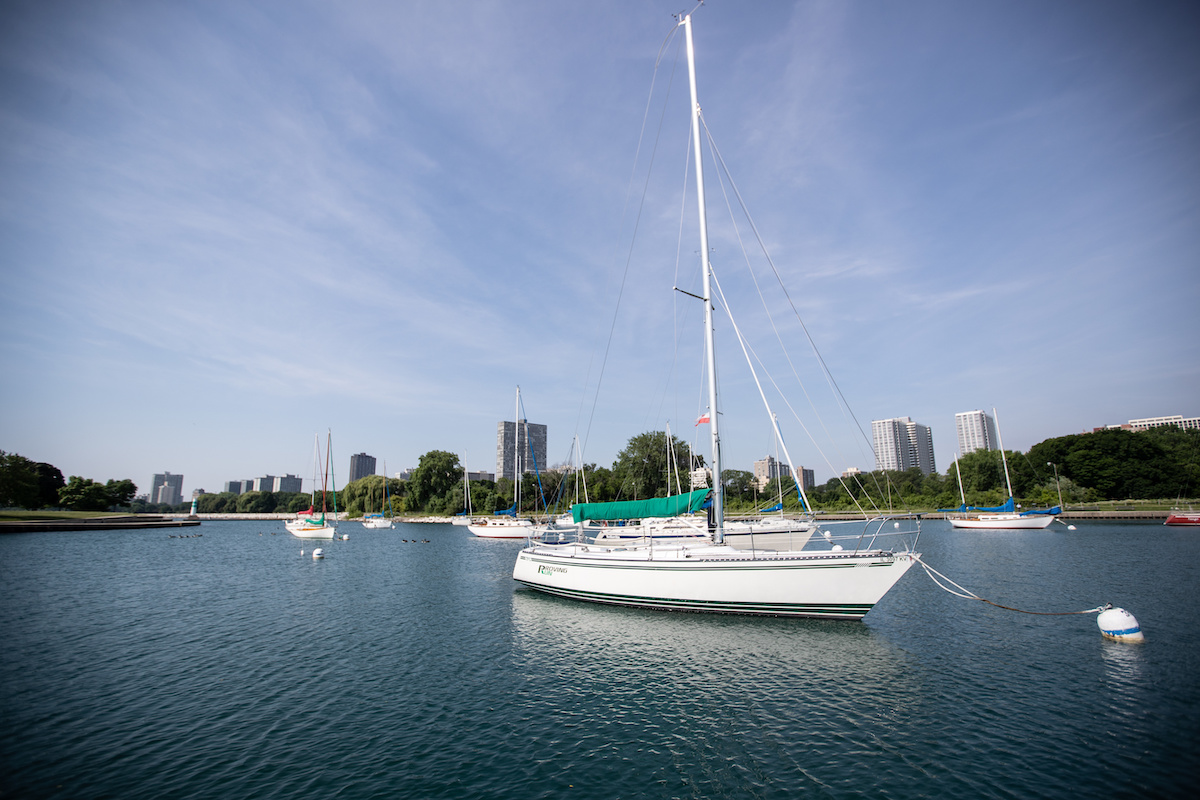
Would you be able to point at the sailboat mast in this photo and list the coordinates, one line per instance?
(709, 343)
(958, 472)
(517, 454)
(1003, 459)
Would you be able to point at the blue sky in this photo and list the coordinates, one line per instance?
(228, 226)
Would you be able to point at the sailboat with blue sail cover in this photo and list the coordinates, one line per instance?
(506, 524)
(1004, 516)
(708, 574)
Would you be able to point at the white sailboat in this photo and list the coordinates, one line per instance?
(506, 524)
(708, 574)
(308, 524)
(1004, 516)
(464, 517)
(380, 521)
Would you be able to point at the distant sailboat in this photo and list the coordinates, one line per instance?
(308, 525)
(464, 517)
(506, 524)
(1001, 517)
(380, 521)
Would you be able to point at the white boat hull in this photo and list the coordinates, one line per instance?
(716, 578)
(1001, 522)
(307, 531)
(769, 534)
(501, 528)
(377, 523)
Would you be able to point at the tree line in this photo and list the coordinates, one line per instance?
(36, 485)
(1161, 463)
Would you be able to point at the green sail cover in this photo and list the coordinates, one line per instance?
(639, 509)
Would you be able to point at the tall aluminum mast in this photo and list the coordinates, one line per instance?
(710, 349)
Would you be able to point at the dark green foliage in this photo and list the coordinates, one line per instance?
(84, 494)
(1120, 464)
(366, 496)
(642, 468)
(436, 475)
(50, 481)
(18, 482)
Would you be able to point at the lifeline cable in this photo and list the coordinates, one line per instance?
(967, 594)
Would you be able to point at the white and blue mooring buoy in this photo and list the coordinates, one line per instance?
(1119, 625)
(318, 553)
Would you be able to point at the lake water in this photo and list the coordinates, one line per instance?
(228, 665)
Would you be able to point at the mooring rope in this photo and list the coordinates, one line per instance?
(967, 594)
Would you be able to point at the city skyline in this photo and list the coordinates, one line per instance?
(228, 226)
(810, 475)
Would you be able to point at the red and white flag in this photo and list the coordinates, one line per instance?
(703, 418)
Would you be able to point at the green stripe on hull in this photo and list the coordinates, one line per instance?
(849, 612)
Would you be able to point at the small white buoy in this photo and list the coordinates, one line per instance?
(345, 536)
(828, 536)
(837, 548)
(1119, 625)
(318, 554)
(1070, 527)
(896, 525)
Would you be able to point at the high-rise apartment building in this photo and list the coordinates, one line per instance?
(166, 488)
(361, 465)
(528, 440)
(234, 486)
(976, 431)
(902, 444)
(288, 483)
(808, 478)
(768, 469)
(264, 484)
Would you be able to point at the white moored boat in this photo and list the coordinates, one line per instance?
(501, 528)
(380, 521)
(506, 524)
(707, 574)
(1002, 517)
(308, 524)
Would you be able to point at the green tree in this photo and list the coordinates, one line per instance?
(120, 493)
(256, 503)
(49, 481)
(643, 467)
(18, 481)
(1121, 464)
(435, 477)
(740, 487)
(223, 503)
(84, 494)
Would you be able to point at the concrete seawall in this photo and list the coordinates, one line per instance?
(133, 522)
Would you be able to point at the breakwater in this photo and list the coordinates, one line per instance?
(131, 522)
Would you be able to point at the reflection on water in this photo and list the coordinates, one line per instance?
(672, 646)
(764, 697)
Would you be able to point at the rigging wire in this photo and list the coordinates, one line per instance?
(843, 404)
(637, 222)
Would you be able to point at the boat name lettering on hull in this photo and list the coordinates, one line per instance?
(544, 569)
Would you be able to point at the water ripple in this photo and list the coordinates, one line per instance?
(231, 665)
